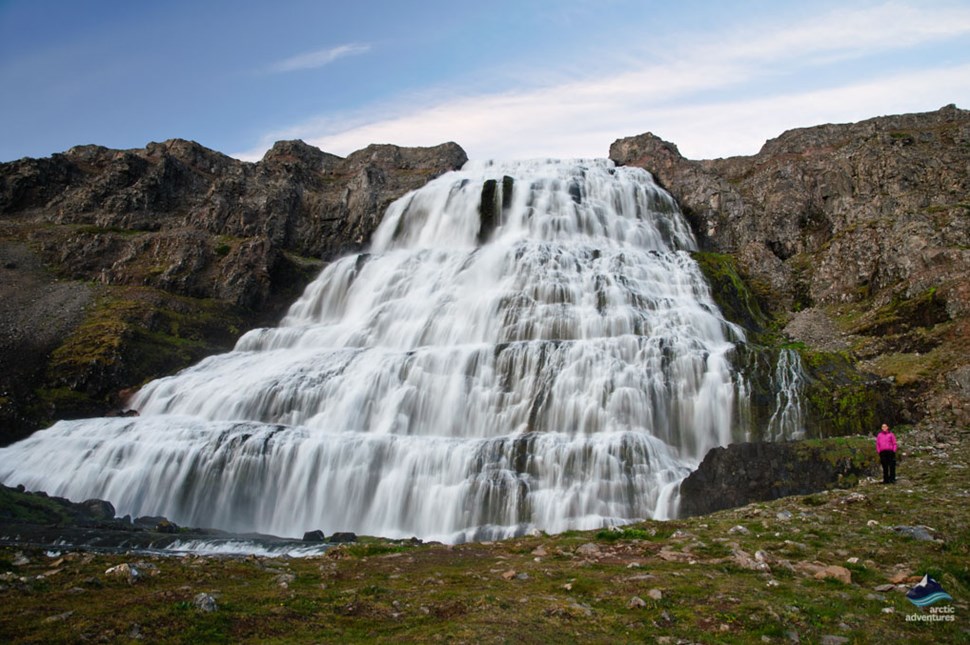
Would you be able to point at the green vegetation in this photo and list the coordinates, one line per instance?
(739, 302)
(130, 335)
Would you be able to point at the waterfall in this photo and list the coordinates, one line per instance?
(526, 345)
(787, 420)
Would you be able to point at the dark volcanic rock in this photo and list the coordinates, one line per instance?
(124, 265)
(754, 472)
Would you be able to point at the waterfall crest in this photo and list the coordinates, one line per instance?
(525, 345)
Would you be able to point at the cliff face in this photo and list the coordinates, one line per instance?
(857, 236)
(123, 265)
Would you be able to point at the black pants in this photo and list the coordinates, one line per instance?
(888, 460)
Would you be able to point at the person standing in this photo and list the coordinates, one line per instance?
(886, 447)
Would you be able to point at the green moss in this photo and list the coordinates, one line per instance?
(842, 400)
(19, 506)
(130, 335)
(905, 314)
(737, 300)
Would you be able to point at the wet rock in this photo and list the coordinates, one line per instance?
(314, 536)
(343, 537)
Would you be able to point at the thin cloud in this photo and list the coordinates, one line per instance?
(317, 58)
(701, 97)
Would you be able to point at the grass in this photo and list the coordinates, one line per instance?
(545, 589)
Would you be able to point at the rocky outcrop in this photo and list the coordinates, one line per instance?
(122, 265)
(864, 226)
(755, 472)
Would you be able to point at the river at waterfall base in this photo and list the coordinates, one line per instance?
(526, 346)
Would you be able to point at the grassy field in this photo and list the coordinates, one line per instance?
(828, 567)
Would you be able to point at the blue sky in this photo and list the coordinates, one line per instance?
(504, 79)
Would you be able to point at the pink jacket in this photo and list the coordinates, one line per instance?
(885, 441)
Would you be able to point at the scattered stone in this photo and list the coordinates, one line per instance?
(888, 610)
(568, 586)
(884, 588)
(124, 572)
(540, 552)
(829, 639)
(793, 636)
(655, 594)
(284, 580)
(738, 530)
(674, 556)
(589, 550)
(314, 536)
(20, 559)
(508, 575)
(834, 571)
(59, 617)
(636, 603)
(854, 498)
(916, 532)
(899, 577)
(205, 603)
(522, 576)
(853, 560)
(784, 515)
(745, 561)
(872, 523)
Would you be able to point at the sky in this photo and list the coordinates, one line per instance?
(505, 79)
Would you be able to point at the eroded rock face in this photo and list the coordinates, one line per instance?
(837, 211)
(867, 222)
(168, 251)
(186, 219)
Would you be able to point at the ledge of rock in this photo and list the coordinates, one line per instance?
(743, 473)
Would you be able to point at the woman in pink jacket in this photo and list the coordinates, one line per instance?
(886, 447)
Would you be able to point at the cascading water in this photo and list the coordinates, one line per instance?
(526, 345)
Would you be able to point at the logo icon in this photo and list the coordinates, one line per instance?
(927, 592)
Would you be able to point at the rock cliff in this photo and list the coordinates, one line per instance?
(856, 237)
(123, 265)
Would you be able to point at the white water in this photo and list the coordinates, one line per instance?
(564, 372)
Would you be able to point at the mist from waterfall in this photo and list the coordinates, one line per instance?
(526, 345)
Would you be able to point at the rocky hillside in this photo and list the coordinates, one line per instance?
(855, 237)
(123, 265)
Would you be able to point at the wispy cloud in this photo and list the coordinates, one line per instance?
(711, 100)
(317, 58)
